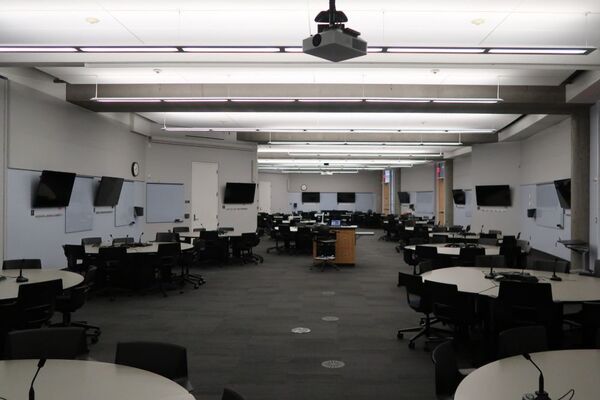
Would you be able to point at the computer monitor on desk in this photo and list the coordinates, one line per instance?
(336, 222)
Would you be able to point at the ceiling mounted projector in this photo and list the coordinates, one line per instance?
(334, 42)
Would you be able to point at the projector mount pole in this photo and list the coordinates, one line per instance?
(331, 13)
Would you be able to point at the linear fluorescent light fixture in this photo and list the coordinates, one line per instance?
(483, 100)
(330, 130)
(231, 49)
(29, 49)
(446, 50)
(134, 49)
(390, 144)
(542, 50)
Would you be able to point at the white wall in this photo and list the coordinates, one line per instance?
(279, 191)
(594, 183)
(172, 163)
(47, 133)
(417, 179)
(3, 121)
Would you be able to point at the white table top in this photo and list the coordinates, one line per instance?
(573, 287)
(9, 288)
(90, 380)
(455, 251)
(512, 377)
(153, 248)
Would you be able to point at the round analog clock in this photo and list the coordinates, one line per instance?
(303, 187)
(135, 169)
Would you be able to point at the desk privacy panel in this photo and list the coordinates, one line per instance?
(79, 215)
(164, 202)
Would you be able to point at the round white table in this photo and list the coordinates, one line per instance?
(573, 288)
(511, 378)
(9, 288)
(151, 248)
(455, 251)
(90, 380)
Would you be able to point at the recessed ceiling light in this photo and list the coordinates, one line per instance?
(29, 49)
(478, 21)
(92, 20)
(140, 49)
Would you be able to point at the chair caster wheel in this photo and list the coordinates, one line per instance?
(400, 335)
(411, 345)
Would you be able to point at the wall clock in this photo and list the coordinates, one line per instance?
(303, 187)
(135, 169)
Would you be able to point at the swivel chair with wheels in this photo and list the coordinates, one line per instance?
(325, 242)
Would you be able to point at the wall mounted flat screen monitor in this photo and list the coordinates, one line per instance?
(563, 190)
(404, 197)
(108, 192)
(493, 196)
(239, 193)
(459, 197)
(54, 189)
(346, 197)
(311, 197)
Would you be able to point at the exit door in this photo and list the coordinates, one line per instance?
(205, 195)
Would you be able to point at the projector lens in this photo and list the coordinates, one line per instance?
(316, 40)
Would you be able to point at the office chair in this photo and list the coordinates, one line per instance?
(488, 241)
(489, 235)
(91, 241)
(36, 303)
(550, 266)
(122, 241)
(31, 263)
(524, 303)
(447, 374)
(420, 302)
(189, 258)
(523, 339)
(165, 359)
(303, 240)
(455, 228)
(426, 253)
(166, 237)
(467, 255)
(229, 394)
(451, 307)
(438, 239)
(76, 257)
(590, 324)
(73, 299)
(56, 343)
(247, 242)
(325, 242)
(216, 249)
(494, 232)
(180, 229)
(490, 261)
(169, 255)
(111, 266)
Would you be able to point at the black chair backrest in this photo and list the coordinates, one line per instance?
(179, 229)
(26, 263)
(447, 375)
(165, 359)
(112, 254)
(488, 235)
(490, 261)
(169, 249)
(590, 319)
(96, 241)
(444, 298)
(229, 394)
(36, 302)
(58, 343)
(77, 295)
(439, 238)
(74, 253)
(523, 339)
(467, 255)
(546, 265)
(415, 292)
(209, 235)
(122, 240)
(426, 252)
(524, 303)
(250, 239)
(166, 237)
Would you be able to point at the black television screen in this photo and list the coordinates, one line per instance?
(239, 193)
(563, 190)
(311, 197)
(346, 197)
(54, 189)
(108, 192)
(404, 197)
(493, 196)
(459, 197)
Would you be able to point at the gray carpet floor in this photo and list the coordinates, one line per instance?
(237, 328)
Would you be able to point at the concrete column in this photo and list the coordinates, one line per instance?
(398, 188)
(448, 186)
(3, 150)
(580, 182)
